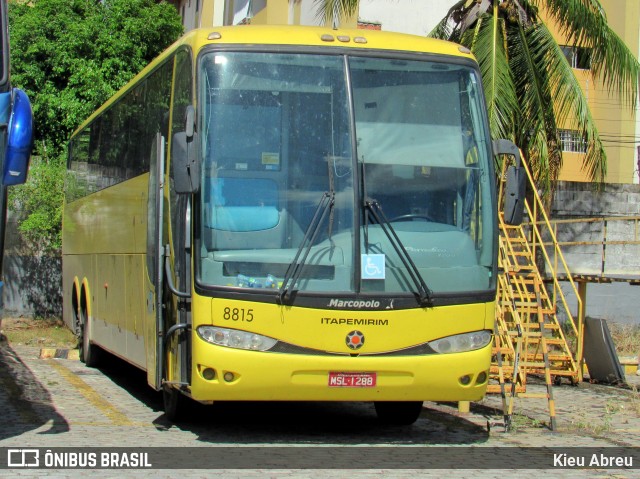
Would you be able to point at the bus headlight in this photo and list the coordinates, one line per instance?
(461, 342)
(234, 338)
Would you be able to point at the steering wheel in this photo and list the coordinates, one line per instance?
(411, 217)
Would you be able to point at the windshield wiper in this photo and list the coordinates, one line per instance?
(294, 270)
(423, 293)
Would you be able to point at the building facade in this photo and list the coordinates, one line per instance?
(618, 122)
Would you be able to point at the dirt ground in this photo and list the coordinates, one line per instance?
(37, 332)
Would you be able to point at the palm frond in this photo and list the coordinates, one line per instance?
(584, 24)
(538, 158)
(333, 10)
(448, 28)
(443, 30)
(561, 88)
(537, 130)
(487, 41)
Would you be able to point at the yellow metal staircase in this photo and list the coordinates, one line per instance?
(530, 338)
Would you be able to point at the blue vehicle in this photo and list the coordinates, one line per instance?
(16, 131)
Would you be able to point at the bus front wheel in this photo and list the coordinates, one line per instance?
(398, 413)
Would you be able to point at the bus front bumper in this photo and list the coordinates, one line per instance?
(221, 373)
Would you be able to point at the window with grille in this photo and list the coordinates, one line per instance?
(572, 141)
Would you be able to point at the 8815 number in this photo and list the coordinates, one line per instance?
(238, 314)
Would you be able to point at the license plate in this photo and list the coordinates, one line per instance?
(352, 380)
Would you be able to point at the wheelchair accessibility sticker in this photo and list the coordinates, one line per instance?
(372, 266)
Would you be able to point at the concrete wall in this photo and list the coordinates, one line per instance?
(574, 199)
(32, 286)
(618, 301)
(597, 247)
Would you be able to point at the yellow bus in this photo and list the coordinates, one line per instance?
(290, 213)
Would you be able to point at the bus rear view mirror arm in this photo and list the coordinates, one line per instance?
(515, 187)
(190, 121)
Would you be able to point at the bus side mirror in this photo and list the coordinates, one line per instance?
(515, 187)
(19, 140)
(184, 160)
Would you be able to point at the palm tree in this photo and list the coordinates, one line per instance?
(530, 87)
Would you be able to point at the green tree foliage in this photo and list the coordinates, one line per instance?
(38, 204)
(70, 56)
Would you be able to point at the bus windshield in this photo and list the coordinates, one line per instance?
(343, 173)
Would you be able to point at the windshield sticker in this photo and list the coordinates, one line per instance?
(372, 266)
(270, 158)
(271, 161)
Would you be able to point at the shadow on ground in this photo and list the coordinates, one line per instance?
(25, 403)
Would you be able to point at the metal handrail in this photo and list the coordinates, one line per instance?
(632, 240)
(539, 219)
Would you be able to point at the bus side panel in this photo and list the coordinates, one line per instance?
(104, 242)
(118, 309)
(149, 330)
(119, 302)
(109, 288)
(135, 305)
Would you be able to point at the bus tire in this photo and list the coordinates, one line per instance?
(174, 403)
(89, 353)
(398, 413)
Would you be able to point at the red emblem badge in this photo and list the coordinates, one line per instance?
(355, 340)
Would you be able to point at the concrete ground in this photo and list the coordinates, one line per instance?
(49, 403)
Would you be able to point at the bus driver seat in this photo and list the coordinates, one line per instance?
(243, 213)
